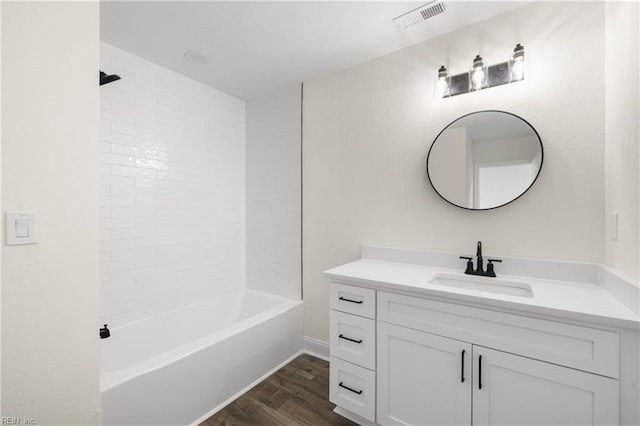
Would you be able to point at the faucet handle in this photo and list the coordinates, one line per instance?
(490, 271)
(469, 269)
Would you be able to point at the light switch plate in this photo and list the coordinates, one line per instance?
(613, 226)
(20, 228)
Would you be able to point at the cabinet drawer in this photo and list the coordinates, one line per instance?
(353, 339)
(578, 347)
(353, 387)
(353, 300)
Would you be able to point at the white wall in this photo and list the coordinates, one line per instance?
(367, 131)
(50, 117)
(274, 193)
(622, 105)
(173, 190)
(1, 210)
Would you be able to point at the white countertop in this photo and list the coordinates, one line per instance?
(561, 299)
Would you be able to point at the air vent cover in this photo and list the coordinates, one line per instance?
(409, 19)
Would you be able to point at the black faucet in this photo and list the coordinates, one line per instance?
(479, 263)
(479, 270)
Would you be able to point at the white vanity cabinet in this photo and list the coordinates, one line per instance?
(443, 363)
(425, 379)
(438, 362)
(353, 346)
(517, 390)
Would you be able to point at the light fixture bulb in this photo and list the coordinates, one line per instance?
(517, 68)
(443, 85)
(477, 75)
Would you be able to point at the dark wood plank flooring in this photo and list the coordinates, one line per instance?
(297, 394)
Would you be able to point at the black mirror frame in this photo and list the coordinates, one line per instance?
(477, 112)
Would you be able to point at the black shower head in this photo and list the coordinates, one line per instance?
(104, 78)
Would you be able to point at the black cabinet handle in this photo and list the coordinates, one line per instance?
(350, 339)
(348, 388)
(462, 367)
(350, 301)
(480, 372)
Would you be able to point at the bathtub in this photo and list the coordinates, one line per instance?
(180, 367)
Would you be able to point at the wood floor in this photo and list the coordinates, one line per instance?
(297, 394)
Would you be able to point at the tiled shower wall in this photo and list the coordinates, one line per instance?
(173, 190)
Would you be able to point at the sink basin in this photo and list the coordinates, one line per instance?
(485, 284)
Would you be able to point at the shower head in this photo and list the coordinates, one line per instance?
(104, 78)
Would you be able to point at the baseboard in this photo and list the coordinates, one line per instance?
(353, 417)
(315, 347)
(247, 388)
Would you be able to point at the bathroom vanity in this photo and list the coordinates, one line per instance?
(415, 341)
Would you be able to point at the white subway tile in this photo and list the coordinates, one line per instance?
(106, 201)
(173, 178)
(119, 266)
(117, 223)
(132, 130)
(132, 192)
(115, 116)
(105, 255)
(123, 160)
(117, 244)
(133, 171)
(109, 93)
(107, 135)
(154, 144)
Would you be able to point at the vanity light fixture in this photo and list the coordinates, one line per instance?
(477, 73)
(482, 76)
(517, 67)
(443, 85)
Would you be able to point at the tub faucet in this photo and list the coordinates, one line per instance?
(479, 269)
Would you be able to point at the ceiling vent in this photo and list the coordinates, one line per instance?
(410, 19)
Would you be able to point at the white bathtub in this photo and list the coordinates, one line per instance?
(180, 367)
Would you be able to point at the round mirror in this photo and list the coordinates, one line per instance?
(484, 160)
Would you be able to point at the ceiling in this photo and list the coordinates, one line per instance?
(254, 48)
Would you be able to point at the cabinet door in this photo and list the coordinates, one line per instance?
(513, 390)
(423, 379)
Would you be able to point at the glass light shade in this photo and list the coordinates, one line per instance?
(443, 83)
(443, 87)
(517, 66)
(517, 69)
(478, 74)
(478, 77)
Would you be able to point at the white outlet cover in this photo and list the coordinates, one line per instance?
(20, 228)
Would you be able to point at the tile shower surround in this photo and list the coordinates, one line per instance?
(172, 215)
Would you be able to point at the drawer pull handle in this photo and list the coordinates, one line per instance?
(480, 372)
(462, 367)
(359, 302)
(348, 388)
(350, 339)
